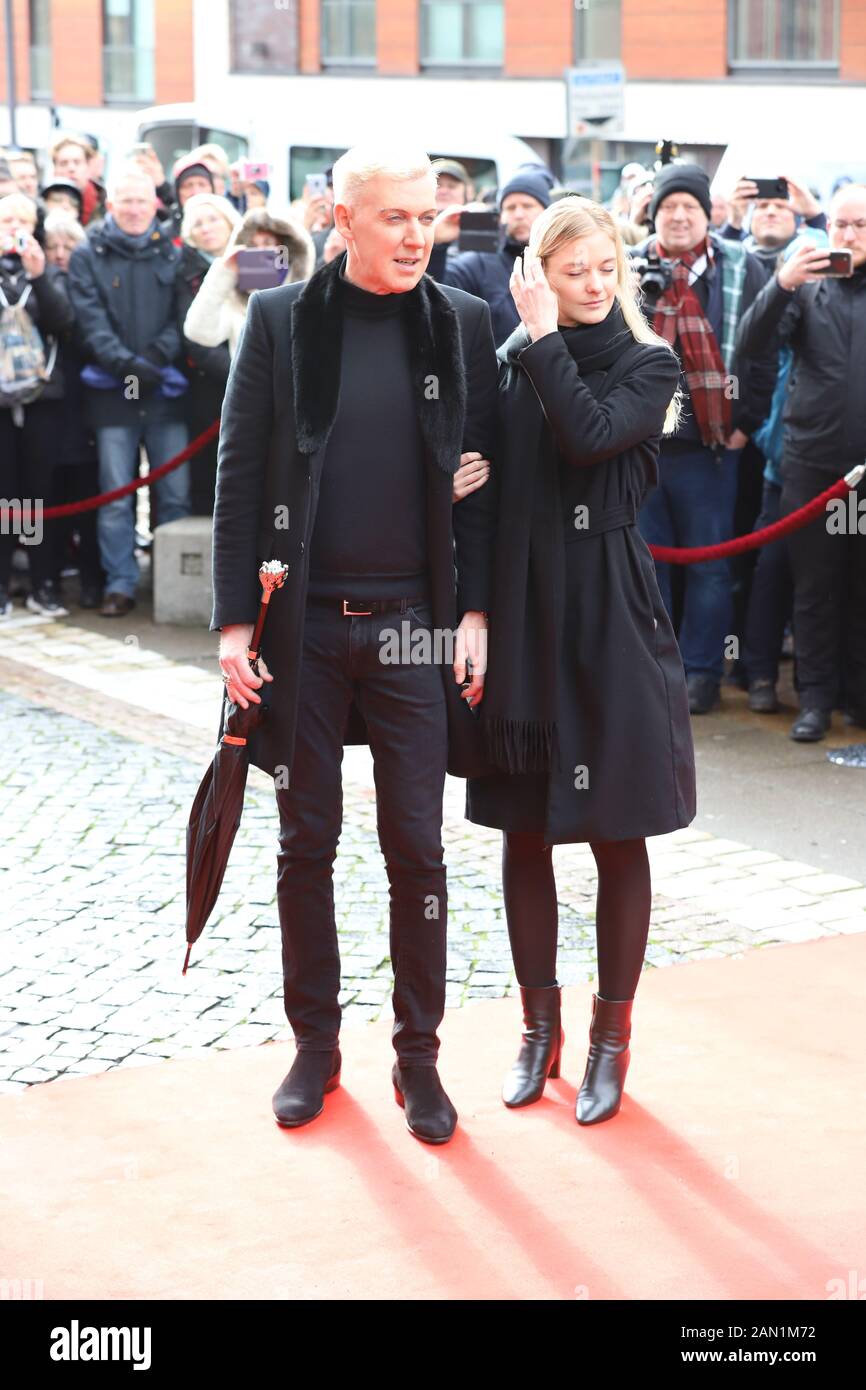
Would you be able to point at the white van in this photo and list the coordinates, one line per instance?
(316, 140)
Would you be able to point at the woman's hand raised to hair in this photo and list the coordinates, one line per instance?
(536, 302)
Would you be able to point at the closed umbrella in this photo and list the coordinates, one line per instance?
(219, 801)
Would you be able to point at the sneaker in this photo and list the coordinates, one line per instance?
(44, 600)
(5, 602)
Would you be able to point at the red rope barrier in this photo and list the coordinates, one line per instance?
(665, 554)
(675, 555)
(90, 504)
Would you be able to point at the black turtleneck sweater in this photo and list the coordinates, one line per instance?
(369, 536)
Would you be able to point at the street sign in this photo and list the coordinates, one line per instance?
(595, 98)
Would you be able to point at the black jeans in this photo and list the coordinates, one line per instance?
(404, 708)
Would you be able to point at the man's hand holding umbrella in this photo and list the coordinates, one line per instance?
(240, 679)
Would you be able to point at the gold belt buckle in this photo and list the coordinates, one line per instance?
(355, 612)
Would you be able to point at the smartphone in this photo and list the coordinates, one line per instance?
(261, 268)
(317, 185)
(479, 231)
(841, 265)
(771, 188)
(252, 170)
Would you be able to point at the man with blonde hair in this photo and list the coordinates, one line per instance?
(352, 400)
(71, 156)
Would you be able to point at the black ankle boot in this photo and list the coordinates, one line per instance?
(600, 1092)
(541, 1047)
(300, 1097)
(429, 1113)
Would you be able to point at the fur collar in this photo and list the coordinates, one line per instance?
(436, 361)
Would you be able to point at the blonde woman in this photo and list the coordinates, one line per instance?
(217, 313)
(585, 709)
(208, 223)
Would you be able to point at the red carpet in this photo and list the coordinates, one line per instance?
(734, 1169)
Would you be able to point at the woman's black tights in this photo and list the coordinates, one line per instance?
(622, 910)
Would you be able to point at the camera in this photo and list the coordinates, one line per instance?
(14, 245)
(655, 274)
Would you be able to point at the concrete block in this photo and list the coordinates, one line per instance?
(182, 589)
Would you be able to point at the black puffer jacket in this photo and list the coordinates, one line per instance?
(824, 323)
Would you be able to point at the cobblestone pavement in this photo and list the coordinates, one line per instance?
(95, 790)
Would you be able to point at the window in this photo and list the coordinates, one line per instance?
(783, 33)
(264, 35)
(348, 31)
(462, 32)
(597, 29)
(127, 50)
(40, 49)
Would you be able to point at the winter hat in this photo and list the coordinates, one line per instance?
(681, 178)
(64, 186)
(183, 171)
(528, 181)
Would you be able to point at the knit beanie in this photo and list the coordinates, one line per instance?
(681, 178)
(527, 181)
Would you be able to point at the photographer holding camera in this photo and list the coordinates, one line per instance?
(34, 312)
(819, 311)
(695, 287)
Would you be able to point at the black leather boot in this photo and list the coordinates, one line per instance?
(300, 1097)
(600, 1091)
(541, 1047)
(429, 1113)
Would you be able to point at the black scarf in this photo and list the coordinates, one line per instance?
(436, 363)
(519, 711)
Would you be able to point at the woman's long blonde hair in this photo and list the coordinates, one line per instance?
(573, 217)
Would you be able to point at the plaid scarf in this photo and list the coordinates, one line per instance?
(679, 314)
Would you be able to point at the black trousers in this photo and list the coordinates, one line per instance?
(829, 597)
(770, 598)
(404, 708)
(28, 459)
(750, 483)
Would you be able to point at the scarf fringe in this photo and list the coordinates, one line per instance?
(519, 745)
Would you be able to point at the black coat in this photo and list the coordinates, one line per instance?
(125, 302)
(824, 323)
(622, 703)
(279, 406)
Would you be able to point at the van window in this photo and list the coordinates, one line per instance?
(315, 159)
(171, 141)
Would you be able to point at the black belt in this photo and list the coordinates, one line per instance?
(355, 608)
(609, 520)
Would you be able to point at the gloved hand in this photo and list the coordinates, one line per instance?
(148, 373)
(174, 383)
